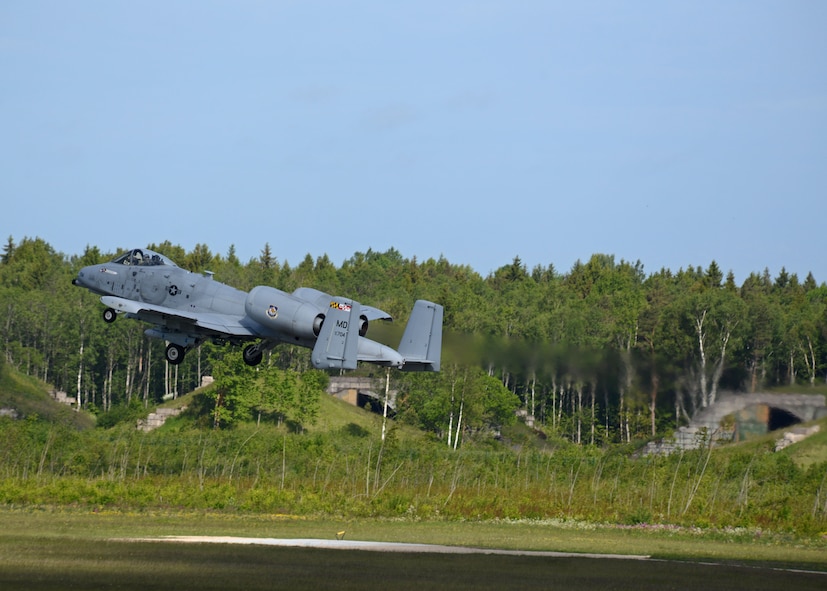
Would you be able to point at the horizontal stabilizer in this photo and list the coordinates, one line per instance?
(337, 345)
(421, 344)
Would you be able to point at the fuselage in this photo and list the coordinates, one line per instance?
(156, 280)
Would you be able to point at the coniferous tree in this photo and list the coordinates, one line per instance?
(8, 251)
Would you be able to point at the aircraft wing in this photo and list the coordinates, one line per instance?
(209, 321)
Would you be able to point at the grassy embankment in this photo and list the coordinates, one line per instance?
(341, 468)
(64, 488)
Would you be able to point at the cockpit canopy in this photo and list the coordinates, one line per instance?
(143, 257)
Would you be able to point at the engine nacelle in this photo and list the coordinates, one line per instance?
(322, 300)
(283, 313)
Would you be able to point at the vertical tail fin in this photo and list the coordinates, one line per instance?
(421, 344)
(337, 345)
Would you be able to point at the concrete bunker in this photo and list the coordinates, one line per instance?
(759, 419)
(367, 393)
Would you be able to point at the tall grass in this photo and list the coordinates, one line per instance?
(348, 472)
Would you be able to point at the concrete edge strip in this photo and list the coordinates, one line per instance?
(375, 546)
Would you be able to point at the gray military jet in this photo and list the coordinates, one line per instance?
(189, 308)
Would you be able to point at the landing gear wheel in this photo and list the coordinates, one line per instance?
(175, 353)
(109, 315)
(252, 355)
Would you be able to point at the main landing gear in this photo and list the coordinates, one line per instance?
(252, 355)
(175, 353)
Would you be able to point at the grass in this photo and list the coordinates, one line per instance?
(58, 549)
(818, 388)
(266, 470)
(29, 397)
(333, 415)
(563, 536)
(182, 481)
(805, 453)
(812, 450)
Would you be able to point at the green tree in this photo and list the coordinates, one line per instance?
(712, 318)
(280, 393)
(268, 266)
(762, 317)
(8, 251)
(234, 392)
(199, 260)
(33, 265)
(174, 252)
(311, 387)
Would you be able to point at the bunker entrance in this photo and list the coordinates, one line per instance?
(780, 418)
(760, 419)
(373, 404)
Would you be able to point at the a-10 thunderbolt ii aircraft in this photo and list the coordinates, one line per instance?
(189, 308)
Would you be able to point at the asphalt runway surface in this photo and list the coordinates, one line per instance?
(225, 563)
(459, 567)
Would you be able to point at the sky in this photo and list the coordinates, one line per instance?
(670, 133)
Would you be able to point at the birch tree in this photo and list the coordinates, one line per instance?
(714, 315)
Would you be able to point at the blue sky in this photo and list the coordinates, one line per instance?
(673, 133)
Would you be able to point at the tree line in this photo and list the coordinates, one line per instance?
(603, 352)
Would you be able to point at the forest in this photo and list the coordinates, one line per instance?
(601, 353)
